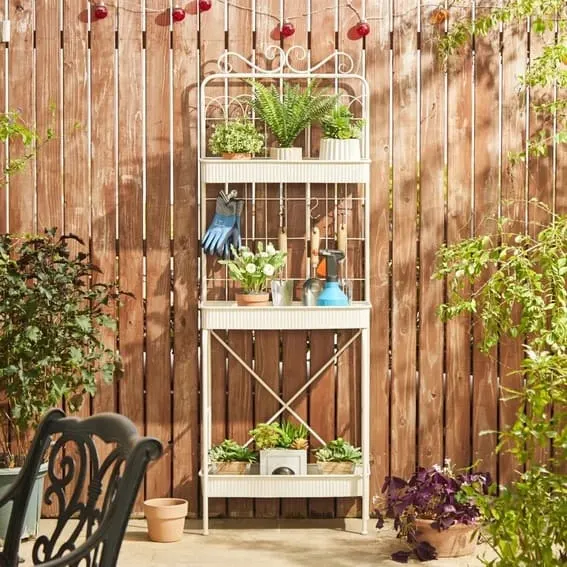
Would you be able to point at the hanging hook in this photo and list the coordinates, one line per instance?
(313, 209)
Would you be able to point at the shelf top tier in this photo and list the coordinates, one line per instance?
(218, 170)
(228, 315)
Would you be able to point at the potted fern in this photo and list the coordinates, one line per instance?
(231, 458)
(236, 139)
(287, 113)
(341, 141)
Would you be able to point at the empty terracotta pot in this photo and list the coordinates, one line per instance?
(166, 518)
(458, 540)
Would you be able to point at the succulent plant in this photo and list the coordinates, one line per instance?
(266, 435)
(230, 451)
(339, 451)
(293, 436)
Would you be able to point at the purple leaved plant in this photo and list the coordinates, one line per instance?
(431, 494)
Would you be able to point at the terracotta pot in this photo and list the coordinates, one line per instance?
(234, 467)
(236, 156)
(253, 299)
(335, 468)
(166, 518)
(458, 540)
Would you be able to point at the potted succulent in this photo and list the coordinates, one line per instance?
(283, 448)
(229, 457)
(338, 457)
(236, 139)
(288, 113)
(254, 271)
(435, 511)
(341, 135)
(51, 344)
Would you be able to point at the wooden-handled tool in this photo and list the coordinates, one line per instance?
(315, 241)
(342, 238)
(282, 240)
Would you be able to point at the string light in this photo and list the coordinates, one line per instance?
(178, 14)
(205, 5)
(100, 11)
(287, 29)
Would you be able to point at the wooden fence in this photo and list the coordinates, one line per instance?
(121, 96)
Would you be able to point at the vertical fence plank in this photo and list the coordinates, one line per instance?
(514, 57)
(130, 217)
(486, 191)
(459, 209)
(158, 230)
(22, 206)
(404, 174)
(186, 333)
(431, 236)
(48, 114)
(103, 173)
(4, 73)
(378, 73)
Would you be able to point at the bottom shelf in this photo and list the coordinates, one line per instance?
(312, 485)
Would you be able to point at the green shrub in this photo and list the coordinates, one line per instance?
(340, 124)
(236, 137)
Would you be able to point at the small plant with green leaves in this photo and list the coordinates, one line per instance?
(340, 124)
(52, 346)
(290, 112)
(230, 451)
(236, 137)
(339, 451)
(293, 436)
(266, 435)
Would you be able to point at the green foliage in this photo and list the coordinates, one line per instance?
(266, 435)
(236, 137)
(288, 113)
(293, 436)
(517, 286)
(340, 124)
(254, 271)
(24, 141)
(51, 321)
(546, 71)
(231, 451)
(339, 451)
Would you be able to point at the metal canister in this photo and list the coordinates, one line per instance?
(311, 290)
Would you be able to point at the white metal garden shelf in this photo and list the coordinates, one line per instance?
(227, 315)
(312, 485)
(218, 170)
(217, 316)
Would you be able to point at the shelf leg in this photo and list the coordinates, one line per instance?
(365, 427)
(205, 424)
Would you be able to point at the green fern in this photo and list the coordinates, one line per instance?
(288, 113)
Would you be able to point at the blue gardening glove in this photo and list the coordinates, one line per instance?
(222, 225)
(234, 238)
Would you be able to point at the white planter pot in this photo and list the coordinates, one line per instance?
(339, 150)
(286, 154)
(294, 459)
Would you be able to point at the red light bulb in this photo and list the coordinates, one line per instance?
(205, 5)
(178, 14)
(287, 29)
(362, 28)
(100, 11)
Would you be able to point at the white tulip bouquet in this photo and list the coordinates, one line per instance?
(253, 271)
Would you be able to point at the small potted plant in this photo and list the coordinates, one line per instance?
(341, 131)
(435, 512)
(229, 457)
(283, 448)
(338, 457)
(288, 113)
(236, 139)
(254, 272)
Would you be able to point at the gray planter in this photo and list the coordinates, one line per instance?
(33, 514)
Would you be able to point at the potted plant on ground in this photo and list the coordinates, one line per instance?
(51, 344)
(229, 457)
(283, 448)
(341, 135)
(236, 139)
(338, 457)
(254, 272)
(288, 113)
(434, 512)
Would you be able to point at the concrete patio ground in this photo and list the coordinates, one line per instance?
(236, 544)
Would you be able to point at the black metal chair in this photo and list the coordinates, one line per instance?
(97, 494)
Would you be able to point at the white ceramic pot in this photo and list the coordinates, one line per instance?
(293, 459)
(286, 154)
(339, 150)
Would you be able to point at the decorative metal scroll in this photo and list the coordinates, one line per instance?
(343, 62)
